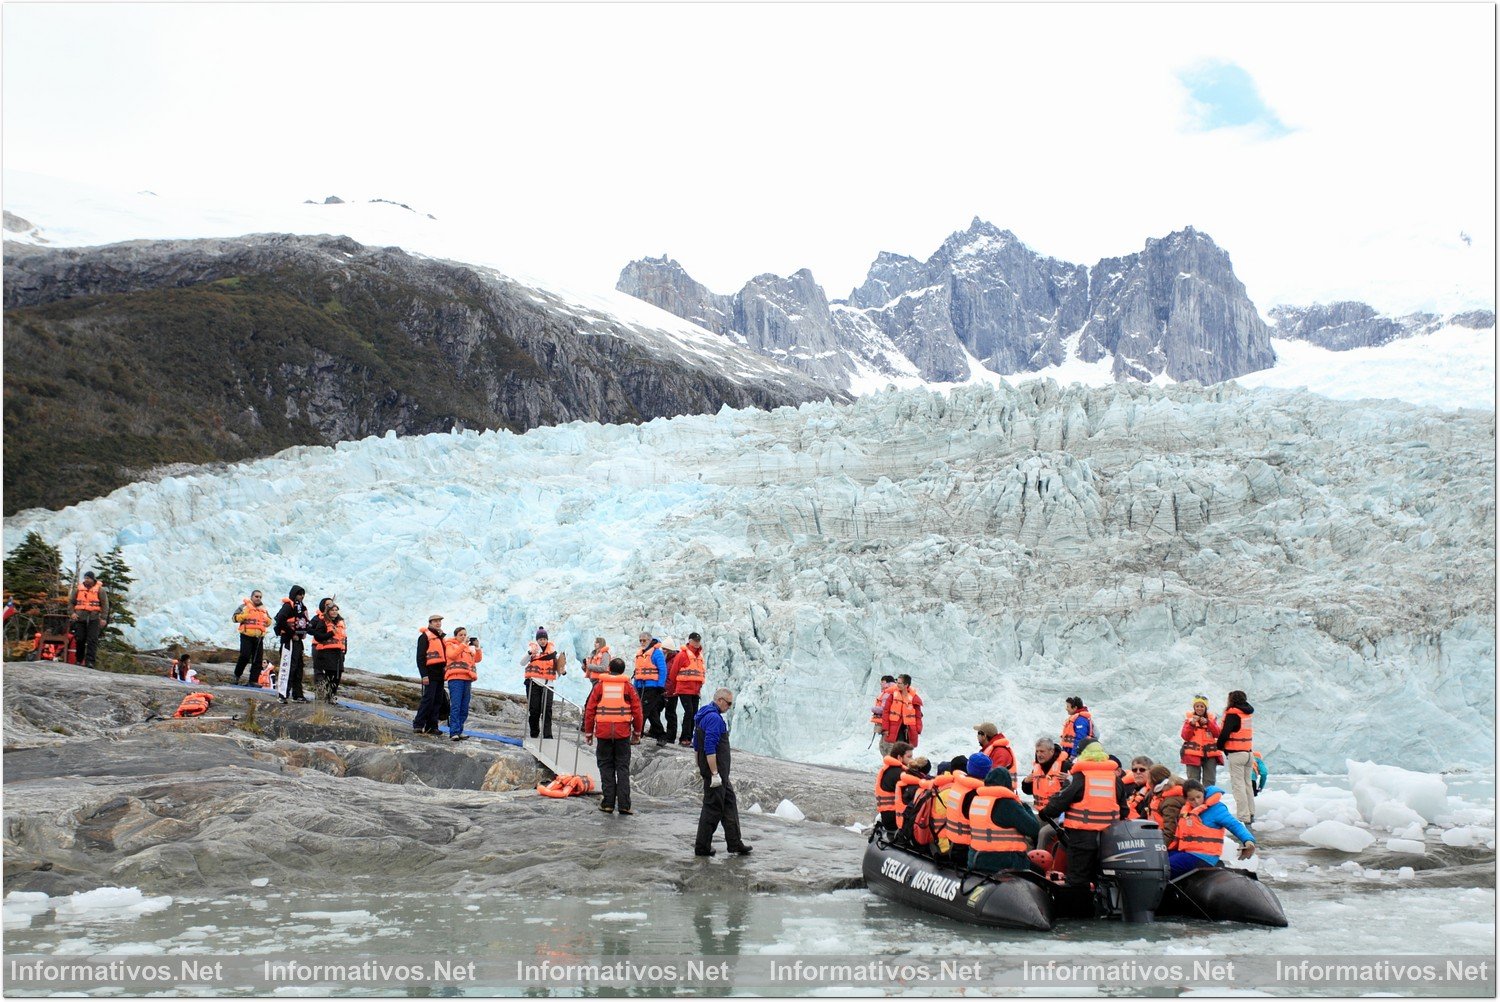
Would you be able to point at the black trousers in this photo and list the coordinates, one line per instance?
(86, 639)
(328, 669)
(294, 674)
(719, 807)
(434, 705)
(652, 698)
(1083, 856)
(538, 707)
(252, 653)
(670, 708)
(689, 703)
(613, 758)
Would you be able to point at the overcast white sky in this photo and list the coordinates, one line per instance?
(752, 138)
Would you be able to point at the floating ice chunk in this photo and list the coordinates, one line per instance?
(22, 906)
(1461, 838)
(260, 881)
(1374, 784)
(856, 828)
(111, 903)
(788, 810)
(754, 809)
(1406, 873)
(1411, 846)
(1267, 827)
(1393, 814)
(1337, 835)
(1301, 818)
(622, 916)
(356, 916)
(1413, 831)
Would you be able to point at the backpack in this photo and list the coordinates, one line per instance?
(920, 822)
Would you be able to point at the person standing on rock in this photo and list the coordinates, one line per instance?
(613, 714)
(1236, 739)
(596, 665)
(541, 672)
(685, 679)
(877, 712)
(88, 608)
(291, 627)
(651, 684)
(330, 644)
(903, 713)
(711, 742)
(463, 653)
(432, 665)
(253, 620)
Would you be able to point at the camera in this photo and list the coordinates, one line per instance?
(473, 641)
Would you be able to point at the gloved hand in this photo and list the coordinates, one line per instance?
(588, 739)
(715, 781)
(635, 739)
(1247, 850)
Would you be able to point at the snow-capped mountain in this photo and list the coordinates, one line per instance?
(1009, 547)
(1345, 325)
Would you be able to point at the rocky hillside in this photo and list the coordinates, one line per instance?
(1174, 309)
(1344, 325)
(126, 358)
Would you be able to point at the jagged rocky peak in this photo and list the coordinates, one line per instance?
(1348, 324)
(665, 284)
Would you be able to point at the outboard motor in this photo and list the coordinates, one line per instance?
(1133, 870)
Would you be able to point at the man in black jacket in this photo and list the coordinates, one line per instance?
(291, 627)
(1082, 843)
(434, 705)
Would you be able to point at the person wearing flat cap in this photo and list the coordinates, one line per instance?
(432, 663)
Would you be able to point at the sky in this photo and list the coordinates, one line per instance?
(1336, 151)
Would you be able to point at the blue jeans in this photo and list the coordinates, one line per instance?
(458, 699)
(1182, 862)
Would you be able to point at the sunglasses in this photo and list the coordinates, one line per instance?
(1139, 768)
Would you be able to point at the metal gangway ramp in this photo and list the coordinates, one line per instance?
(565, 753)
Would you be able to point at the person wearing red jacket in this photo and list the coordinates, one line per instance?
(903, 713)
(614, 714)
(685, 677)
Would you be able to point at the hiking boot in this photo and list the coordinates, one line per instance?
(743, 850)
(685, 744)
(606, 808)
(626, 810)
(710, 852)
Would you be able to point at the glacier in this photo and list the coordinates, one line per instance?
(1007, 546)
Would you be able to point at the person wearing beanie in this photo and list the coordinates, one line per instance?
(541, 664)
(1200, 742)
(1089, 803)
(978, 765)
(997, 817)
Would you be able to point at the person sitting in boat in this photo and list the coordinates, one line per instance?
(1199, 839)
(891, 768)
(917, 776)
(1049, 773)
(1137, 786)
(953, 837)
(1002, 830)
(1165, 800)
(1090, 803)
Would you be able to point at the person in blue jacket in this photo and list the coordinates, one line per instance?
(652, 686)
(711, 743)
(1199, 840)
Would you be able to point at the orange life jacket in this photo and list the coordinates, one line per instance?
(1097, 809)
(919, 785)
(907, 786)
(540, 670)
(953, 798)
(1137, 798)
(596, 665)
(436, 654)
(1045, 785)
(1200, 742)
(694, 672)
(265, 676)
(1155, 808)
(87, 599)
(340, 641)
(1242, 739)
(1067, 731)
(991, 750)
(255, 620)
(885, 800)
(566, 786)
(876, 711)
(985, 835)
(461, 658)
(614, 704)
(194, 704)
(1195, 836)
(645, 667)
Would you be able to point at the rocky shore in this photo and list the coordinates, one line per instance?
(102, 787)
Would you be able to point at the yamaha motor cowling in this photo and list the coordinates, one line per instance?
(1133, 870)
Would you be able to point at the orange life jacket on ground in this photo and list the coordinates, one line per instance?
(1195, 836)
(1155, 807)
(1242, 739)
(953, 798)
(984, 834)
(1097, 809)
(885, 800)
(539, 670)
(1045, 785)
(462, 657)
(86, 599)
(566, 786)
(436, 654)
(691, 676)
(194, 704)
(340, 641)
(1067, 731)
(255, 620)
(1199, 743)
(596, 665)
(645, 667)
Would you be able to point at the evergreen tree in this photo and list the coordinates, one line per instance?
(33, 578)
(114, 575)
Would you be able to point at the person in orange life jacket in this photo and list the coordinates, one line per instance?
(903, 713)
(596, 665)
(461, 653)
(877, 712)
(330, 646)
(1137, 786)
(88, 609)
(953, 843)
(1199, 839)
(1001, 828)
(1078, 729)
(291, 628)
(711, 741)
(684, 684)
(540, 664)
(1200, 742)
(1167, 801)
(650, 681)
(1087, 805)
(253, 620)
(613, 714)
(995, 745)
(1049, 773)
(886, 778)
(916, 776)
(432, 665)
(1236, 738)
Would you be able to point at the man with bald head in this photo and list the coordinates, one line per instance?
(711, 742)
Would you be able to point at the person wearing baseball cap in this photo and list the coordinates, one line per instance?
(432, 663)
(995, 746)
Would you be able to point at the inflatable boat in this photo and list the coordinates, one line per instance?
(1009, 899)
(1221, 894)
